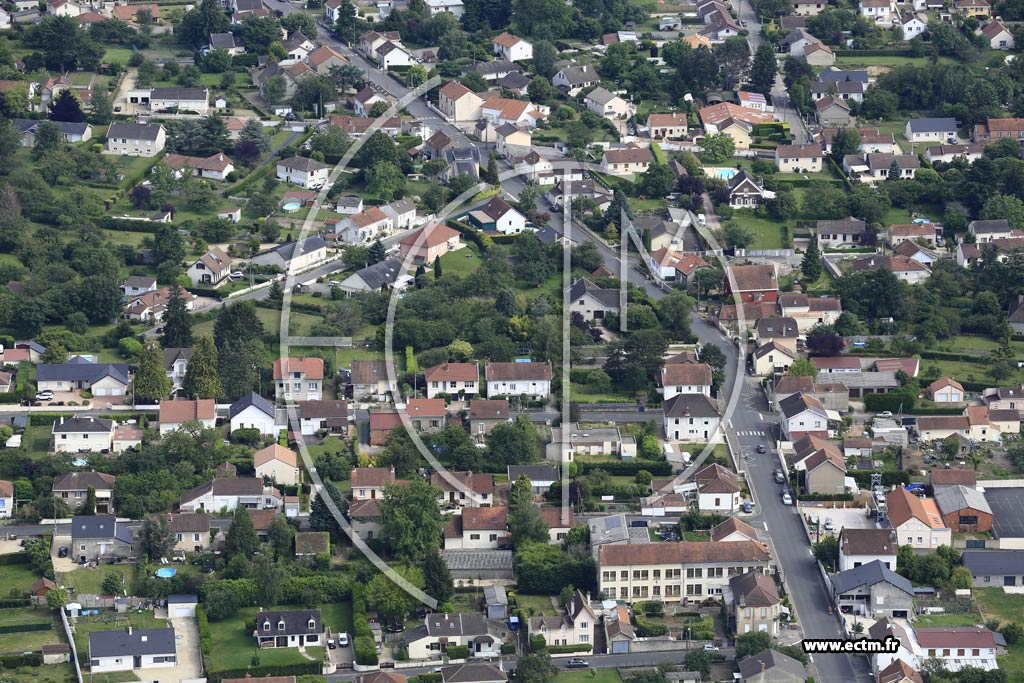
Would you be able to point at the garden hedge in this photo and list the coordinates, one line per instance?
(564, 649)
(25, 628)
(300, 669)
(18, 661)
(627, 468)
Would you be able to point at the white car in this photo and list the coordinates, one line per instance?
(710, 647)
(44, 395)
(884, 413)
(342, 640)
(787, 499)
(237, 275)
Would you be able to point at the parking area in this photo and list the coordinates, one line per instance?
(1007, 511)
(842, 518)
(186, 649)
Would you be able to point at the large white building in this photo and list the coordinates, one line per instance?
(515, 379)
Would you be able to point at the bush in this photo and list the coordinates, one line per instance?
(537, 643)
(658, 468)
(301, 669)
(205, 639)
(564, 649)
(825, 496)
(508, 648)
(16, 661)
(248, 436)
(458, 652)
(647, 629)
(651, 608)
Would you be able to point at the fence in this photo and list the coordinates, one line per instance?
(71, 642)
(763, 253)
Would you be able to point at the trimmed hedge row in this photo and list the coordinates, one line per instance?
(25, 628)
(955, 357)
(565, 649)
(482, 241)
(14, 558)
(364, 647)
(658, 468)
(205, 639)
(300, 669)
(938, 411)
(825, 496)
(873, 53)
(14, 602)
(18, 661)
(124, 225)
(458, 651)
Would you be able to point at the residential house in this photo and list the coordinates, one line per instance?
(498, 216)
(683, 572)
(224, 41)
(964, 509)
(363, 101)
(424, 246)
(607, 441)
(278, 464)
(296, 256)
(477, 528)
(592, 302)
(131, 649)
(691, 418)
(323, 59)
(441, 631)
(667, 126)
(369, 379)
(176, 414)
(863, 546)
(215, 167)
(986, 231)
(996, 129)
(995, 567)
(176, 364)
(808, 8)
(832, 111)
(135, 139)
(973, 8)
(573, 627)
(753, 283)
(685, 378)
(252, 411)
(136, 285)
(512, 48)
(873, 590)
(79, 374)
(913, 232)
(878, 11)
(371, 40)
(308, 173)
(627, 161)
(754, 100)
(771, 666)
(486, 414)
(512, 140)
(459, 104)
(228, 493)
(82, 435)
(916, 252)
(946, 390)
(733, 529)
(803, 415)
(501, 110)
(100, 536)
(464, 489)
(211, 269)
(899, 672)
(402, 213)
(541, 477)
(734, 120)
(840, 234)
(452, 379)
(949, 153)
(572, 79)
(717, 489)
(756, 603)
(528, 378)
(151, 306)
(70, 132)
(325, 415)
(931, 130)
(917, 521)
(675, 266)
(871, 168)
(427, 414)
(367, 483)
(913, 25)
(292, 74)
(191, 531)
(288, 628)
(73, 489)
(382, 423)
(957, 648)
(905, 269)
(771, 358)
(825, 473)
(391, 55)
(363, 226)
(747, 191)
(782, 330)
(606, 104)
(798, 158)
(1016, 315)
(6, 499)
(298, 379)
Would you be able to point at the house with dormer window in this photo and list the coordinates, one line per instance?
(288, 628)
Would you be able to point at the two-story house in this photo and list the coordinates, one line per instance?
(528, 378)
(863, 546)
(230, 493)
(756, 603)
(840, 234)
(873, 590)
(574, 626)
(299, 379)
(325, 415)
(802, 415)
(452, 379)
(592, 302)
(175, 364)
(486, 414)
(464, 489)
(278, 464)
(303, 171)
(427, 414)
(799, 158)
(191, 531)
(441, 631)
(691, 417)
(917, 521)
(755, 284)
(73, 489)
(211, 269)
(512, 48)
(288, 628)
(367, 483)
(135, 139)
(82, 434)
(95, 537)
(477, 528)
(685, 378)
(174, 414)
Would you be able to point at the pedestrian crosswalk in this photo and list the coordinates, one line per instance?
(751, 432)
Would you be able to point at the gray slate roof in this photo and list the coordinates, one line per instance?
(868, 575)
(690, 405)
(251, 399)
(74, 371)
(134, 131)
(534, 473)
(783, 666)
(953, 498)
(932, 125)
(149, 641)
(982, 562)
(98, 526)
(608, 297)
(81, 425)
(379, 274)
(296, 622)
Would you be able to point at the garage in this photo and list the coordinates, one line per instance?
(182, 605)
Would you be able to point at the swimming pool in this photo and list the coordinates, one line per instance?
(291, 207)
(166, 572)
(723, 173)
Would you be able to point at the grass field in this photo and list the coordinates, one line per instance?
(338, 616)
(535, 604)
(27, 640)
(582, 394)
(233, 648)
(60, 673)
(90, 579)
(589, 676)
(17, 576)
(768, 234)
(460, 262)
(997, 604)
(947, 620)
(299, 323)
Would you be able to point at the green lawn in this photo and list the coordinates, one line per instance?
(947, 620)
(233, 647)
(535, 604)
(460, 262)
(589, 676)
(582, 394)
(16, 576)
(300, 323)
(338, 616)
(997, 604)
(859, 62)
(90, 579)
(768, 234)
(59, 673)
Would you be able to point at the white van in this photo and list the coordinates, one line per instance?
(702, 219)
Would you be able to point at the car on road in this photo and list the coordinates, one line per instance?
(780, 476)
(343, 639)
(710, 647)
(748, 507)
(884, 413)
(45, 395)
(786, 498)
(829, 526)
(761, 448)
(577, 663)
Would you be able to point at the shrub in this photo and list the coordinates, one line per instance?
(508, 648)
(205, 639)
(563, 649)
(458, 651)
(537, 643)
(249, 437)
(647, 629)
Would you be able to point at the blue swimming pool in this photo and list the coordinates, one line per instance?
(166, 572)
(291, 207)
(723, 173)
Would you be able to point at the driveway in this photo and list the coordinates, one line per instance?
(186, 646)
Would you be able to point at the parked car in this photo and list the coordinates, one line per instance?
(577, 663)
(62, 551)
(828, 524)
(884, 413)
(761, 448)
(786, 498)
(748, 507)
(331, 645)
(710, 647)
(343, 639)
(45, 395)
(780, 476)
